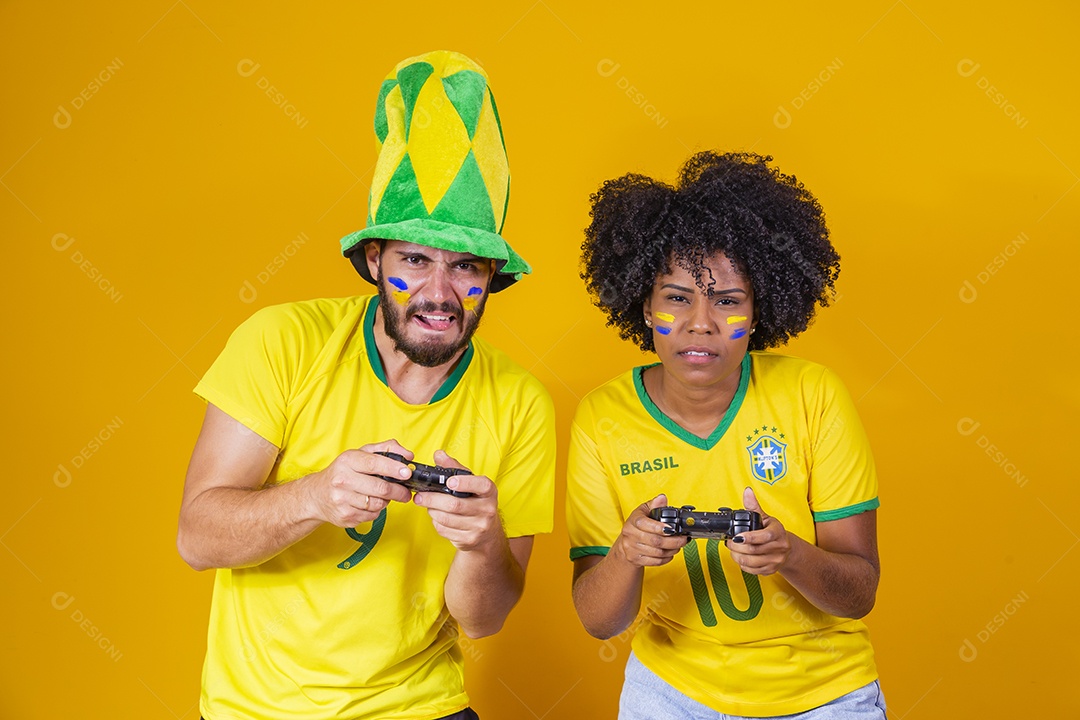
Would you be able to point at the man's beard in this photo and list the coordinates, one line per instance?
(429, 353)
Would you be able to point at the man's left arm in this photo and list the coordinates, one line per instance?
(487, 574)
(493, 531)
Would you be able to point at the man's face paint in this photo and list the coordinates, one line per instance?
(425, 352)
(470, 301)
(402, 294)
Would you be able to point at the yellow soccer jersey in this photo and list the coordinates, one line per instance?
(352, 624)
(742, 644)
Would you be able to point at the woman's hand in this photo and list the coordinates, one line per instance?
(764, 551)
(642, 542)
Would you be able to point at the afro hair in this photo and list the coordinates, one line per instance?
(765, 222)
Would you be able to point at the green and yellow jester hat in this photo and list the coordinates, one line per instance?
(442, 178)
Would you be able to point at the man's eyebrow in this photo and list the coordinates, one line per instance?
(415, 253)
(411, 253)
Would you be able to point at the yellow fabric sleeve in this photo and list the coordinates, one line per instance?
(526, 478)
(843, 478)
(593, 511)
(251, 379)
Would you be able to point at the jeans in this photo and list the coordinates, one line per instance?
(646, 697)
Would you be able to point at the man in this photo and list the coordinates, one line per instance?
(337, 595)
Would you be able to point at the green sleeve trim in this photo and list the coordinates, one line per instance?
(677, 430)
(380, 372)
(841, 513)
(580, 552)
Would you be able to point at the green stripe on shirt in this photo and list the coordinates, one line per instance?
(841, 513)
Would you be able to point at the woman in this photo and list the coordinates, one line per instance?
(708, 274)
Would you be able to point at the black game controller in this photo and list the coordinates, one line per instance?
(426, 478)
(720, 525)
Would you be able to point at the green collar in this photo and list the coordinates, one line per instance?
(380, 372)
(679, 431)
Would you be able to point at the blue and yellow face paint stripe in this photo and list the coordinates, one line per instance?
(739, 331)
(402, 294)
(472, 299)
(664, 317)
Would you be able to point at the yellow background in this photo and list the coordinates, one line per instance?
(166, 207)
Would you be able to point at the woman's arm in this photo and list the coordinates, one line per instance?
(839, 575)
(607, 589)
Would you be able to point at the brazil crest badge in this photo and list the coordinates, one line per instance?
(768, 459)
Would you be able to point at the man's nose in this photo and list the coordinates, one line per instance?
(439, 286)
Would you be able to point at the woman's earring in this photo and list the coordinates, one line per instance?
(648, 322)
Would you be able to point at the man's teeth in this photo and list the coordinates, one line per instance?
(437, 318)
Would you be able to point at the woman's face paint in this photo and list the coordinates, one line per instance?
(664, 317)
(740, 331)
(472, 299)
(402, 294)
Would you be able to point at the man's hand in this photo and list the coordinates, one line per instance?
(642, 542)
(348, 493)
(487, 574)
(231, 518)
(764, 551)
(469, 523)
